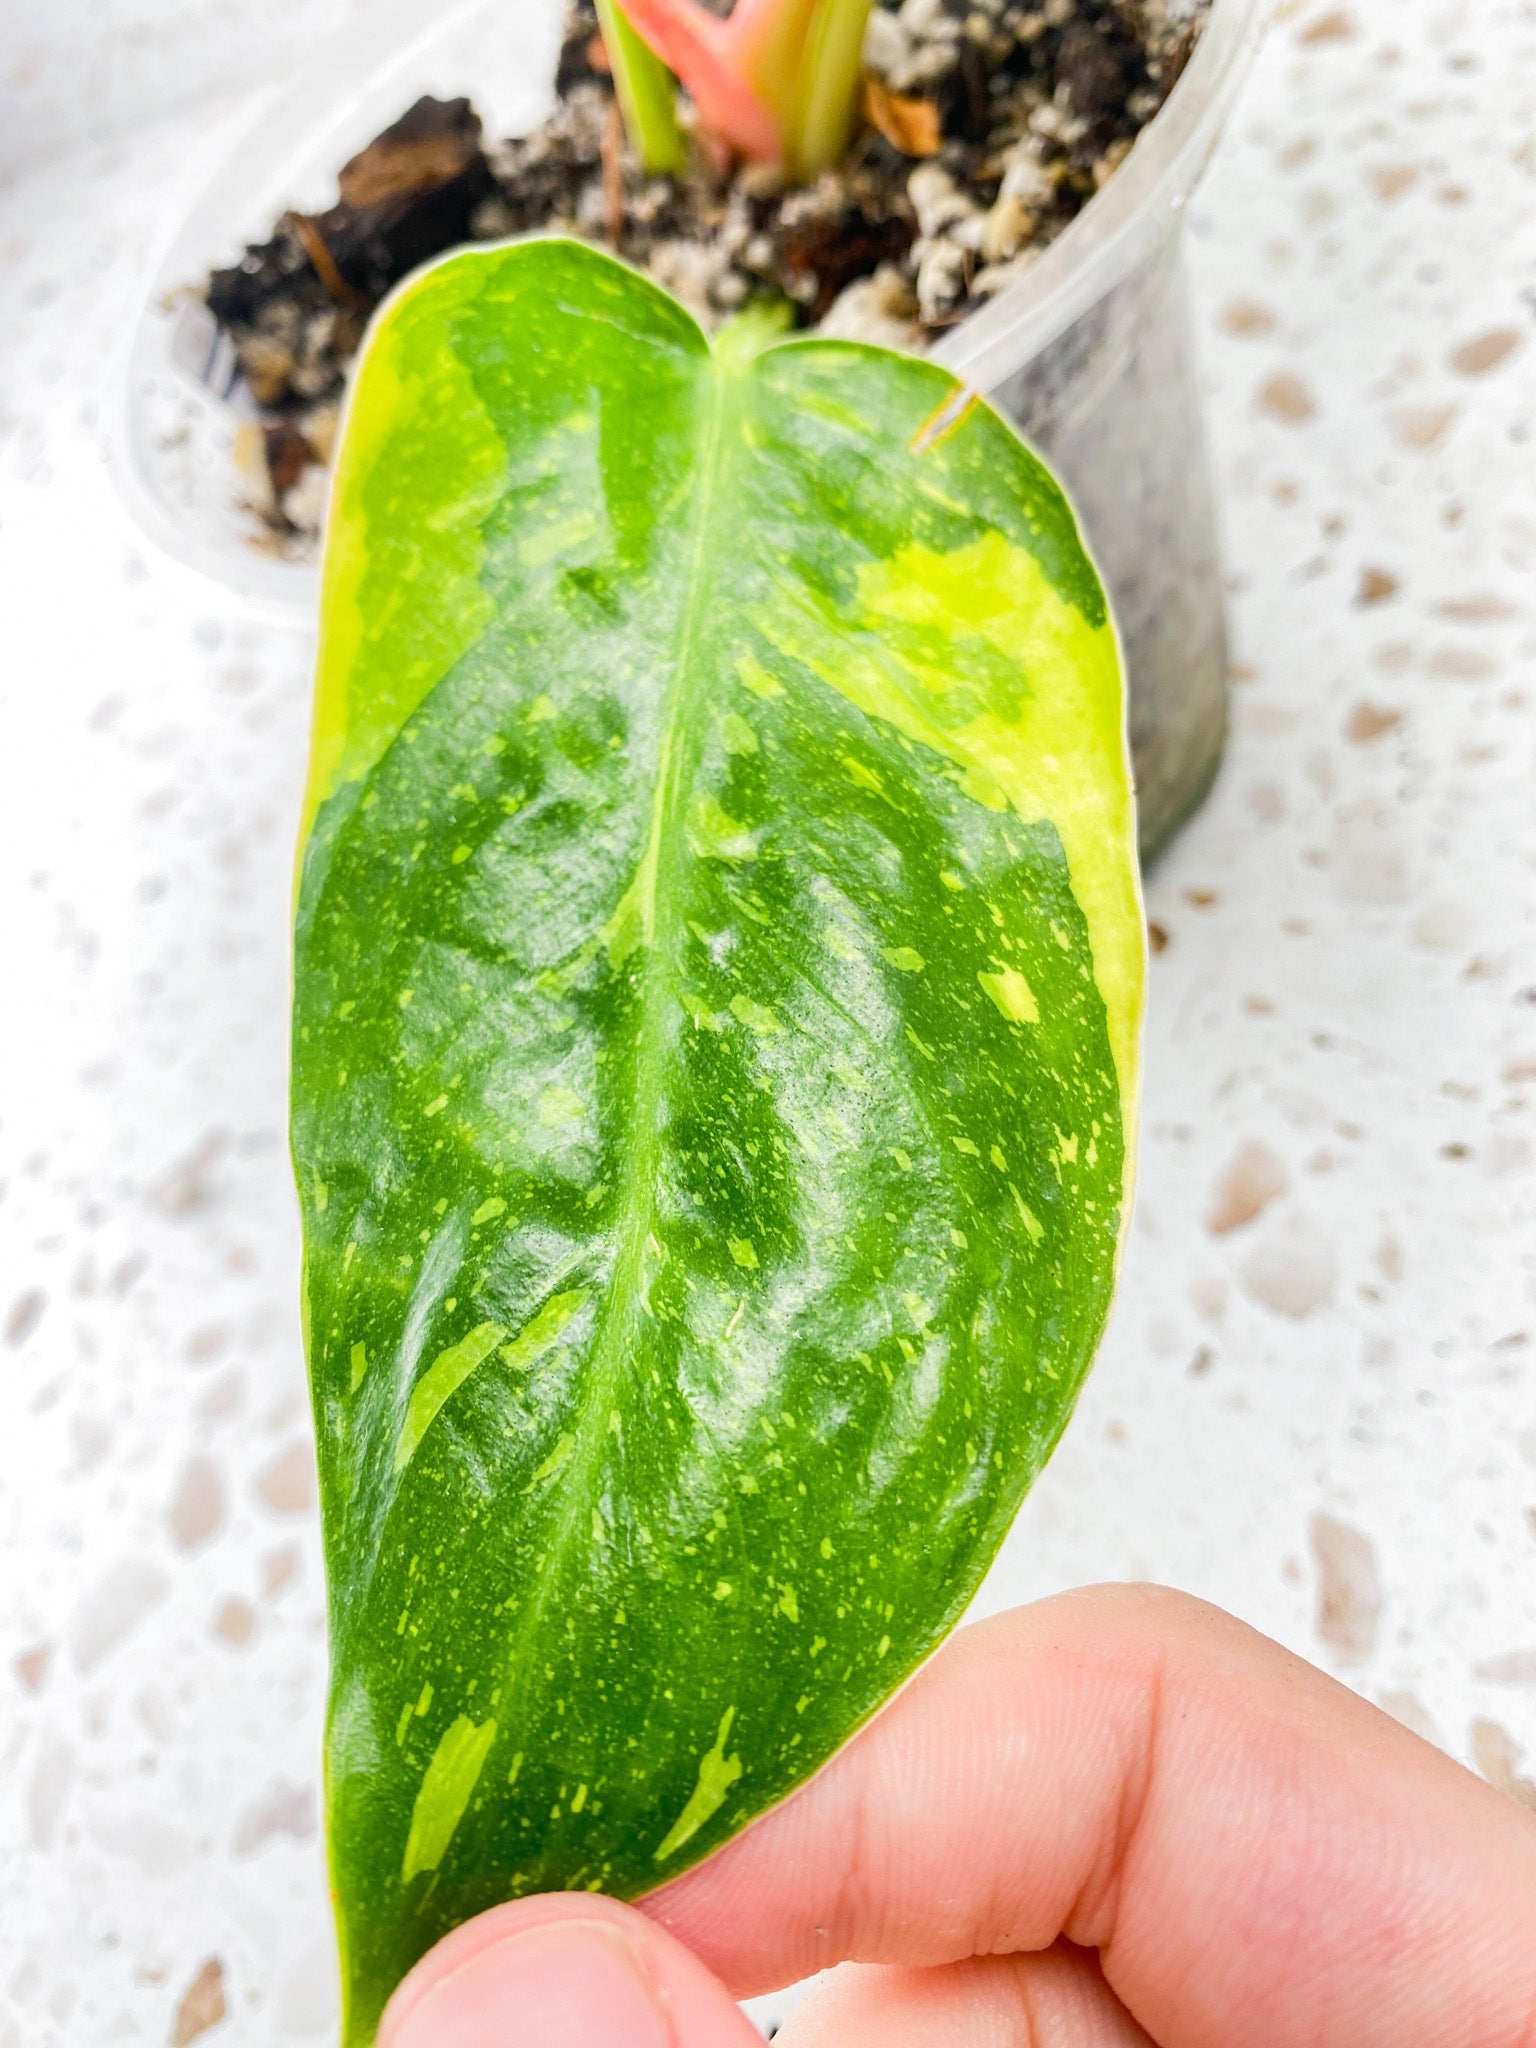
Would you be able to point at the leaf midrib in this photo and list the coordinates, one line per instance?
(610, 1349)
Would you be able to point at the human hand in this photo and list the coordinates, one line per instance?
(1115, 1818)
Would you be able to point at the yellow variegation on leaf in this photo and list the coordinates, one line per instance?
(718, 980)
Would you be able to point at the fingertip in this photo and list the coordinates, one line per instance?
(562, 1971)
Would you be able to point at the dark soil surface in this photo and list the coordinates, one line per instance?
(990, 123)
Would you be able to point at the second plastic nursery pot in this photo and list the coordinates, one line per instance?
(1090, 353)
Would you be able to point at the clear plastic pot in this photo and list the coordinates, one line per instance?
(1092, 355)
(1090, 352)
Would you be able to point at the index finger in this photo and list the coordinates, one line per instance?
(1258, 1854)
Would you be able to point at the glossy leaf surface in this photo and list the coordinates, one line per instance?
(718, 985)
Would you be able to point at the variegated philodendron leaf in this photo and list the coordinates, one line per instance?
(719, 972)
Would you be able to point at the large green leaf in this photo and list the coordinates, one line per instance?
(718, 983)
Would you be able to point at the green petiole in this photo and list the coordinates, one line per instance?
(647, 93)
(824, 110)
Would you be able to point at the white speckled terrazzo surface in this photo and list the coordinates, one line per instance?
(1322, 1416)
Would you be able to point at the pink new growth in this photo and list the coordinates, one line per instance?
(752, 76)
(709, 56)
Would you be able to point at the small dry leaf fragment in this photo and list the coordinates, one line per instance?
(318, 250)
(288, 456)
(432, 144)
(1369, 722)
(910, 125)
(1348, 1588)
(1498, 1756)
(1249, 1184)
(1485, 352)
(1376, 586)
(202, 2007)
(1286, 398)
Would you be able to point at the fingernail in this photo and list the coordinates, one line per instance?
(568, 1985)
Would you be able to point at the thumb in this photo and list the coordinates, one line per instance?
(568, 1970)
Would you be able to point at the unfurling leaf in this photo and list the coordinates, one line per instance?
(776, 79)
(913, 126)
(718, 985)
